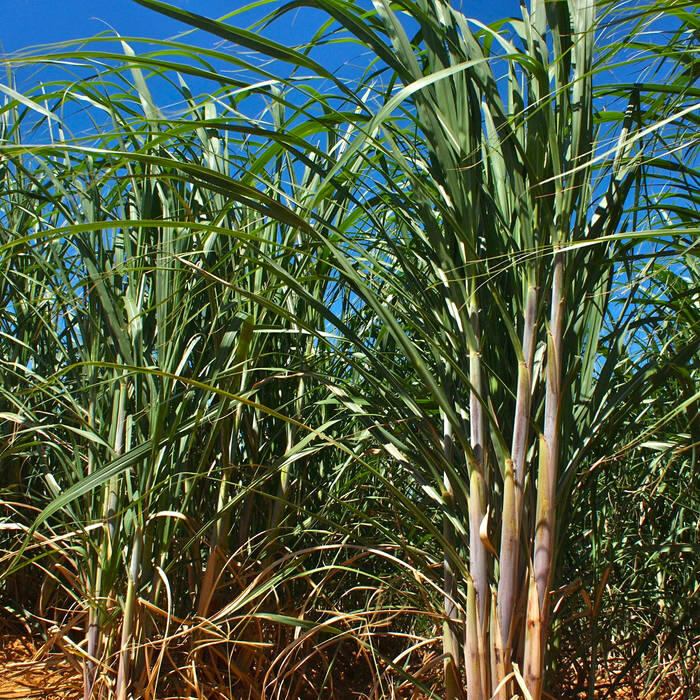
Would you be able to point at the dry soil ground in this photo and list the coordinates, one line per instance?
(29, 672)
(25, 676)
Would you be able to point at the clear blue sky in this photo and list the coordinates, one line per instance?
(31, 22)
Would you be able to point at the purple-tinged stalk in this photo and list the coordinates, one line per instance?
(546, 489)
(513, 483)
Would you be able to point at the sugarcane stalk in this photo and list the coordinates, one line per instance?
(112, 499)
(533, 656)
(450, 643)
(253, 432)
(544, 535)
(499, 686)
(513, 482)
(475, 689)
(548, 472)
(278, 509)
(93, 621)
(128, 623)
(109, 509)
(476, 508)
(478, 555)
(229, 438)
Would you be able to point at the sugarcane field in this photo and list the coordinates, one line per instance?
(350, 349)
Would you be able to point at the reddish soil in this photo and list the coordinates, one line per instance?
(24, 676)
(29, 672)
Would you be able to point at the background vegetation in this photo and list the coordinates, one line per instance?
(384, 384)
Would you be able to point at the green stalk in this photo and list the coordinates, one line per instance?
(129, 618)
(110, 505)
(229, 437)
(285, 475)
(112, 494)
(93, 621)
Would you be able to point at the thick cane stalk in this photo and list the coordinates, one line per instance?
(533, 657)
(499, 685)
(475, 688)
(546, 485)
(478, 555)
(544, 535)
(508, 584)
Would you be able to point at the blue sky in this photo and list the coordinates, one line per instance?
(31, 22)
